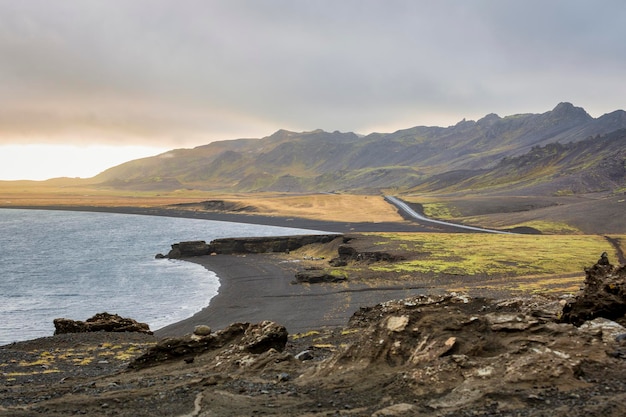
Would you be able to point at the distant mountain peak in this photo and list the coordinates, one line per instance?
(568, 110)
(489, 119)
(282, 133)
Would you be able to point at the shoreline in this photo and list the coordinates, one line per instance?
(258, 287)
(267, 220)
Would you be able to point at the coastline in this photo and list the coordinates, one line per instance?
(280, 221)
(257, 287)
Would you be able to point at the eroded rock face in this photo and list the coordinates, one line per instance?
(101, 322)
(238, 337)
(454, 351)
(604, 295)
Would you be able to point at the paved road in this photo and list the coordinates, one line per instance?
(412, 213)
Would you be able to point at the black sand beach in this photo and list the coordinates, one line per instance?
(257, 287)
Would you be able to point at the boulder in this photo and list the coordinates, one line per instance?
(202, 330)
(101, 322)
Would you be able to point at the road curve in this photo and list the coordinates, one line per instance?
(412, 213)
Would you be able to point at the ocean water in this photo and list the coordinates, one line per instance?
(76, 264)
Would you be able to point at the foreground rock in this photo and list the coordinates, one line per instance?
(249, 338)
(101, 322)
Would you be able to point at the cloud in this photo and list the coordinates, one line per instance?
(185, 73)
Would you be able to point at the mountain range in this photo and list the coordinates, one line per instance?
(559, 152)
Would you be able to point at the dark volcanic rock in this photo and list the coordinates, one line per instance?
(188, 249)
(604, 295)
(101, 322)
(228, 246)
(316, 276)
(348, 253)
(267, 244)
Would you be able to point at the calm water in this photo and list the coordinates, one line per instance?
(74, 265)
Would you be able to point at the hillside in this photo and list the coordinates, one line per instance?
(596, 164)
(493, 152)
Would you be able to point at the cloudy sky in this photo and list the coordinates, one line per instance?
(118, 79)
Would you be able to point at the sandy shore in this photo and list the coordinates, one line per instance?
(257, 287)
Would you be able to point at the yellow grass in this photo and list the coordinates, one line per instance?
(330, 207)
(440, 210)
(13, 194)
(45, 362)
(495, 254)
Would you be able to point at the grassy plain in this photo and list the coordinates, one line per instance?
(476, 261)
(330, 207)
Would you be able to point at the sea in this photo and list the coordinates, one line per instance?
(74, 264)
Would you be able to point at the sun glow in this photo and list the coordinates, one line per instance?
(41, 162)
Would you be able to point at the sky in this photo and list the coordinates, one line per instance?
(88, 84)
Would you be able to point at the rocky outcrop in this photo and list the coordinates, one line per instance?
(604, 295)
(453, 352)
(228, 246)
(347, 253)
(101, 322)
(267, 244)
(187, 250)
(317, 276)
(237, 338)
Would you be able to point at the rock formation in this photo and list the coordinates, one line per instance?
(347, 253)
(228, 246)
(241, 337)
(317, 276)
(101, 322)
(604, 295)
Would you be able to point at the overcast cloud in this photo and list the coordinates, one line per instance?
(183, 73)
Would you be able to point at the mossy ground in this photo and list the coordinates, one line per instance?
(460, 262)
